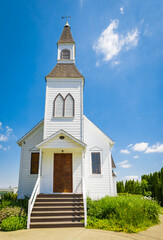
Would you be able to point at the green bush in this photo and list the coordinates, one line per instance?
(123, 213)
(10, 200)
(14, 223)
(11, 211)
(10, 196)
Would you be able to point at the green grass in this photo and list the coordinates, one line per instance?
(127, 213)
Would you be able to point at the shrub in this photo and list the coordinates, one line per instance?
(13, 223)
(10, 196)
(10, 200)
(123, 213)
(11, 211)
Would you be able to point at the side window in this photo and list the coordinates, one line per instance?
(58, 106)
(96, 163)
(34, 163)
(69, 106)
(65, 54)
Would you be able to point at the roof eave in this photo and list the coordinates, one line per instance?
(56, 134)
(82, 78)
(60, 42)
(19, 142)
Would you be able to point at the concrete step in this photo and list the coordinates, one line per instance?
(56, 224)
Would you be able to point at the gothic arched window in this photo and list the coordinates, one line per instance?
(58, 106)
(65, 54)
(69, 106)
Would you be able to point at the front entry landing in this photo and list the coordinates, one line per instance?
(62, 180)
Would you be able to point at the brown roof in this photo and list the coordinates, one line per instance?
(66, 36)
(112, 162)
(65, 70)
(113, 174)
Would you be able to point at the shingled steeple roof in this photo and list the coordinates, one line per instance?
(62, 70)
(66, 36)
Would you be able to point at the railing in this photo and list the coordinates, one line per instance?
(32, 199)
(85, 202)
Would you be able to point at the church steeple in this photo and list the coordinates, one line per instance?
(66, 36)
(66, 46)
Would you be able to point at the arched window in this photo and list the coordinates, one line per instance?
(69, 106)
(65, 54)
(58, 106)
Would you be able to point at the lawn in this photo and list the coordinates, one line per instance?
(127, 213)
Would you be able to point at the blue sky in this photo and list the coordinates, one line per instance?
(119, 50)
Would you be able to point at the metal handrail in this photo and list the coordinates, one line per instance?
(32, 199)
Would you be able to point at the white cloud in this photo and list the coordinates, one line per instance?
(3, 138)
(5, 149)
(136, 156)
(131, 177)
(0, 125)
(140, 147)
(114, 63)
(122, 10)
(157, 148)
(124, 164)
(110, 42)
(9, 130)
(125, 151)
(130, 145)
(132, 39)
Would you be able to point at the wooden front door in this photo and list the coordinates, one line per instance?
(62, 172)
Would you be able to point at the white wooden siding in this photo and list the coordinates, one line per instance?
(114, 186)
(56, 142)
(71, 125)
(27, 180)
(97, 185)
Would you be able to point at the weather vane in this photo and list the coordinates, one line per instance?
(66, 17)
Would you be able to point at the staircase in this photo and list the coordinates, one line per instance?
(57, 210)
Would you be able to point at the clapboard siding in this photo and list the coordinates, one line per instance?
(72, 125)
(56, 142)
(27, 180)
(99, 185)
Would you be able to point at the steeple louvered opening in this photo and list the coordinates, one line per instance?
(65, 54)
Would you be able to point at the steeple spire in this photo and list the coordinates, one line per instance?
(66, 36)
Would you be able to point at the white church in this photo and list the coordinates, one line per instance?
(65, 157)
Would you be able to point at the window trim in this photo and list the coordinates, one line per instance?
(69, 94)
(54, 105)
(33, 174)
(91, 173)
